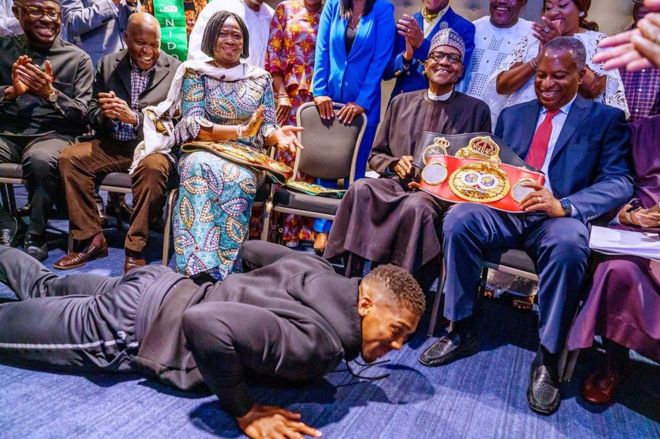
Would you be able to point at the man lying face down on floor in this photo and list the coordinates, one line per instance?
(289, 317)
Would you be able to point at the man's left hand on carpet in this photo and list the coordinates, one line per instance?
(264, 421)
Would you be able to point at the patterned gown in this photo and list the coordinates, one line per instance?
(290, 53)
(215, 195)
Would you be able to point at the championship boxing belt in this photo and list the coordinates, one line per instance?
(243, 155)
(475, 174)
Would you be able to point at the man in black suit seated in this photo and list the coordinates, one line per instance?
(45, 90)
(126, 82)
(290, 318)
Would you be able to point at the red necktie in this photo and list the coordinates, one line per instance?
(539, 147)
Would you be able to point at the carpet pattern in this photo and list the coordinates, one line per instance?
(478, 397)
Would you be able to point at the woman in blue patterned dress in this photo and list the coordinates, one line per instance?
(233, 107)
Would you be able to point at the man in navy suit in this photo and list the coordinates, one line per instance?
(582, 148)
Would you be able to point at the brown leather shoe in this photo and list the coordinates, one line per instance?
(600, 387)
(89, 253)
(131, 263)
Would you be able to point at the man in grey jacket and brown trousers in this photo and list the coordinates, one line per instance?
(289, 317)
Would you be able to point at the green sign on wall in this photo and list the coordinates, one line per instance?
(171, 16)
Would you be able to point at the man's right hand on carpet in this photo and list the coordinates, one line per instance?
(265, 422)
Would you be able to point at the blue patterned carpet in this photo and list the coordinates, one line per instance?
(479, 397)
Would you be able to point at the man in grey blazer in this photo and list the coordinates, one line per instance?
(288, 318)
(126, 82)
(97, 26)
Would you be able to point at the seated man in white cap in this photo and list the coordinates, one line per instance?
(375, 213)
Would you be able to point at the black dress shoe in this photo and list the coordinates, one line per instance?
(543, 392)
(448, 348)
(5, 237)
(36, 247)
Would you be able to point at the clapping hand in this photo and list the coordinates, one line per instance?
(116, 108)
(635, 49)
(408, 28)
(37, 81)
(19, 86)
(546, 30)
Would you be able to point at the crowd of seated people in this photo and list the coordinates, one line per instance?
(85, 90)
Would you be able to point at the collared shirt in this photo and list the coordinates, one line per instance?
(642, 90)
(557, 125)
(429, 25)
(442, 97)
(139, 82)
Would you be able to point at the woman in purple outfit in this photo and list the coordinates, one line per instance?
(623, 304)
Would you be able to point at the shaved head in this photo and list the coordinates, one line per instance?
(143, 40)
(141, 20)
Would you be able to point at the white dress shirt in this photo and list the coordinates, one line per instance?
(258, 24)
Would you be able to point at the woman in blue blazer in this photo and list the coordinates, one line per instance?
(353, 46)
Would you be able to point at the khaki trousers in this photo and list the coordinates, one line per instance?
(82, 164)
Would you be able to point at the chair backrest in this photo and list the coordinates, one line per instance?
(330, 147)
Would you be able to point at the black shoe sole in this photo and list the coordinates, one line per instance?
(470, 348)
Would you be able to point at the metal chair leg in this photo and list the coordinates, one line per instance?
(265, 230)
(167, 231)
(437, 299)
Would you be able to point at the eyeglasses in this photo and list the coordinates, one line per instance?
(438, 56)
(36, 12)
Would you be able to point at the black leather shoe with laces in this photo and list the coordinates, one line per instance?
(543, 394)
(5, 237)
(448, 348)
(36, 247)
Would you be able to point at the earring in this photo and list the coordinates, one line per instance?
(581, 14)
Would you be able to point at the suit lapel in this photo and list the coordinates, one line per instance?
(528, 126)
(578, 112)
(124, 72)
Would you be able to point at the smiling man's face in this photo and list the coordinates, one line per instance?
(143, 41)
(557, 78)
(505, 13)
(41, 21)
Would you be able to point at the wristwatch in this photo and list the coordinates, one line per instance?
(567, 206)
(52, 96)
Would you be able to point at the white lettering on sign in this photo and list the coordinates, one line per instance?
(169, 8)
(169, 22)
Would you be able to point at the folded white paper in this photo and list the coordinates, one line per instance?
(624, 242)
